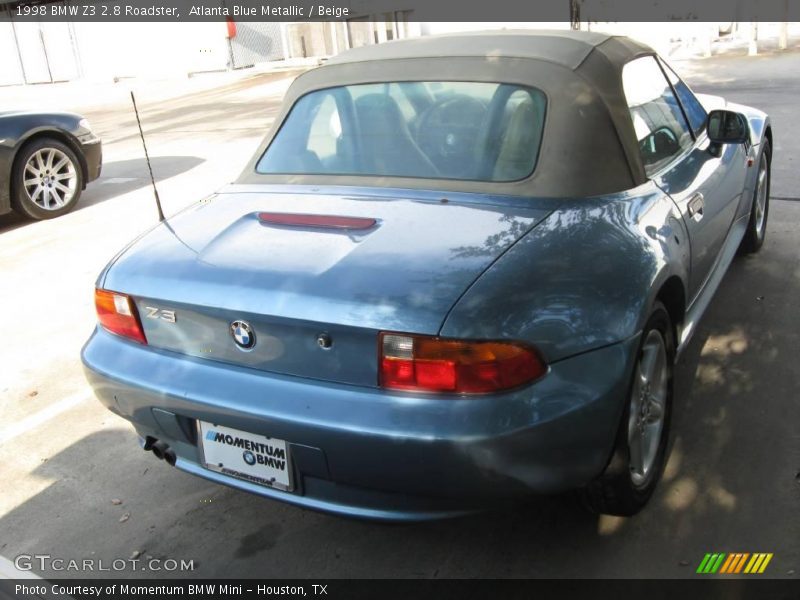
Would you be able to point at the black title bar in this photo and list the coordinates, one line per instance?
(412, 10)
(700, 587)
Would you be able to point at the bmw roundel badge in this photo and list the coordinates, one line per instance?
(249, 457)
(243, 335)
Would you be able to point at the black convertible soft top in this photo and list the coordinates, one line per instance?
(589, 146)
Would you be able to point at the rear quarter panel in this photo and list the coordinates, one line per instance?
(586, 277)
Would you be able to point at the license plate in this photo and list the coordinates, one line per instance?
(248, 456)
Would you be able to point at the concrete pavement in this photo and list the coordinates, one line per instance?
(732, 482)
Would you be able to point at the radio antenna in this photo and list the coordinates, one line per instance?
(147, 158)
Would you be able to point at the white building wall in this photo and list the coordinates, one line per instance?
(10, 68)
(117, 50)
(105, 51)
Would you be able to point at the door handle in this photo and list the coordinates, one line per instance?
(695, 206)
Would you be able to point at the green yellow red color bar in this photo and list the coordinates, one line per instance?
(735, 562)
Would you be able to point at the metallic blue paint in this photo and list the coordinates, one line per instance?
(390, 454)
(403, 274)
(217, 263)
(584, 278)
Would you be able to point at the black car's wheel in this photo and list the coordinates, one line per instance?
(757, 225)
(639, 454)
(47, 179)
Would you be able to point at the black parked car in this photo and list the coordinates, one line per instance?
(46, 160)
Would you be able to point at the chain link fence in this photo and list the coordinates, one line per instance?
(255, 43)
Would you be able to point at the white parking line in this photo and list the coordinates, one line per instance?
(113, 180)
(36, 419)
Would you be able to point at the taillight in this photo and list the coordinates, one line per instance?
(422, 363)
(117, 313)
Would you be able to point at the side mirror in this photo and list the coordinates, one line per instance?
(727, 127)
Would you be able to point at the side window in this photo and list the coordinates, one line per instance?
(659, 124)
(694, 110)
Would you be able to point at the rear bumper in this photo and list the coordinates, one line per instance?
(368, 453)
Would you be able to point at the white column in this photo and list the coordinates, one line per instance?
(783, 36)
(334, 41)
(380, 23)
(711, 32)
(346, 30)
(752, 49)
(285, 40)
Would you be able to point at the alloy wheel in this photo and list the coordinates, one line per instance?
(761, 194)
(50, 178)
(647, 407)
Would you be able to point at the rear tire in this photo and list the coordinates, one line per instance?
(637, 461)
(47, 180)
(757, 225)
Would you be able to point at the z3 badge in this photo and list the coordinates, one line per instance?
(159, 313)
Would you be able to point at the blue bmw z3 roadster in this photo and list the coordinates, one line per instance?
(458, 271)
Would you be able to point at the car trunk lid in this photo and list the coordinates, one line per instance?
(400, 266)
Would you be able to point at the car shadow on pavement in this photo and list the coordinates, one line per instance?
(11, 221)
(118, 178)
(123, 176)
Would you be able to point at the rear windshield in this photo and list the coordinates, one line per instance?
(430, 129)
